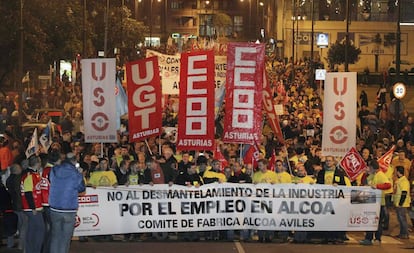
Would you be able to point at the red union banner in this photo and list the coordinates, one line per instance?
(385, 160)
(339, 113)
(144, 99)
(270, 111)
(243, 119)
(196, 106)
(353, 164)
(99, 104)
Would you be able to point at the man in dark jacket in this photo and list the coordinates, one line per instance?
(66, 183)
(13, 187)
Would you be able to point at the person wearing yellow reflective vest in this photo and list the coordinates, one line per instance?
(263, 175)
(282, 177)
(214, 174)
(402, 201)
(102, 176)
(377, 180)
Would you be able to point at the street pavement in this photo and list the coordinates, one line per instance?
(371, 91)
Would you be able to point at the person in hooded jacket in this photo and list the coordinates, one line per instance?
(66, 183)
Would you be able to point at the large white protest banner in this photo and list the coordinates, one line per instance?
(169, 66)
(161, 208)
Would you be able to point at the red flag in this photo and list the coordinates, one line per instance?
(353, 164)
(385, 160)
(144, 99)
(244, 78)
(196, 107)
(252, 154)
(272, 161)
(270, 110)
(219, 156)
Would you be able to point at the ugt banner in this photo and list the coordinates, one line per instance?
(270, 110)
(144, 99)
(243, 119)
(226, 206)
(339, 113)
(99, 101)
(196, 108)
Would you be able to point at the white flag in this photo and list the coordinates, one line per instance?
(46, 137)
(33, 146)
(26, 77)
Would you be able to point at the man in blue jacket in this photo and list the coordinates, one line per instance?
(66, 183)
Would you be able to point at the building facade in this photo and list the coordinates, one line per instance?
(288, 25)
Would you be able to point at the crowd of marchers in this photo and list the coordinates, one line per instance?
(156, 161)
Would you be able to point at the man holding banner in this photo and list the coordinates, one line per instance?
(378, 181)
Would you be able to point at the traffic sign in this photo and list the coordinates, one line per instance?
(399, 90)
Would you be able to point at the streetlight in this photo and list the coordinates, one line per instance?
(106, 28)
(262, 21)
(150, 38)
(21, 55)
(250, 19)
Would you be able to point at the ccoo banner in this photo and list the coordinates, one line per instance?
(195, 131)
(99, 100)
(163, 208)
(243, 119)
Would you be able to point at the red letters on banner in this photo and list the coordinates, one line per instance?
(100, 120)
(196, 108)
(338, 134)
(270, 111)
(144, 99)
(353, 164)
(243, 119)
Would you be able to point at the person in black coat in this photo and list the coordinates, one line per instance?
(9, 217)
(13, 187)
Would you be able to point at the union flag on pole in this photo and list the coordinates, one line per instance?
(270, 110)
(353, 163)
(33, 146)
(385, 160)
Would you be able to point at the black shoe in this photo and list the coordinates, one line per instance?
(83, 239)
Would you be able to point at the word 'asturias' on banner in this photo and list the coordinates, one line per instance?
(161, 208)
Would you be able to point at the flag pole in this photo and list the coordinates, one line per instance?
(149, 149)
(287, 160)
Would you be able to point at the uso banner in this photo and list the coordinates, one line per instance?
(99, 101)
(339, 113)
(196, 107)
(287, 207)
(243, 119)
(144, 99)
(271, 111)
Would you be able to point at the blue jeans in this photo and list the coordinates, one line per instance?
(35, 232)
(46, 217)
(402, 220)
(62, 226)
(22, 228)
